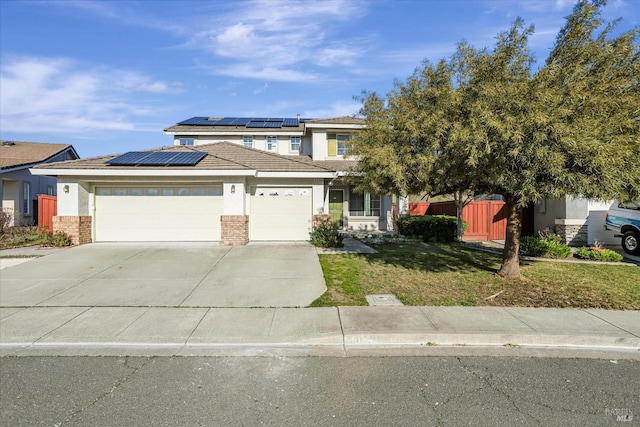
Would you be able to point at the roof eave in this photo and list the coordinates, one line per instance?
(144, 172)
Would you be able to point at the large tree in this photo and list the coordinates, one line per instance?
(482, 121)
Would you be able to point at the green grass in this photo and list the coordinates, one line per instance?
(433, 274)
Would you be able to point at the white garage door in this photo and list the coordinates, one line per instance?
(157, 214)
(280, 213)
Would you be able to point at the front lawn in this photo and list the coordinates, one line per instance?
(440, 274)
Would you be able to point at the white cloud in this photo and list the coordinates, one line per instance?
(251, 71)
(336, 109)
(59, 95)
(255, 35)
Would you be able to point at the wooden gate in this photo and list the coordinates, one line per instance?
(47, 209)
(487, 219)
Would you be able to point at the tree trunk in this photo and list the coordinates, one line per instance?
(459, 208)
(510, 268)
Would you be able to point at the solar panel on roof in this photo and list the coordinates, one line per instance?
(242, 121)
(255, 124)
(158, 158)
(227, 121)
(191, 121)
(290, 122)
(273, 124)
(130, 158)
(187, 159)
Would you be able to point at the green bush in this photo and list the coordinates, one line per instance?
(58, 238)
(325, 235)
(431, 228)
(532, 246)
(546, 246)
(598, 254)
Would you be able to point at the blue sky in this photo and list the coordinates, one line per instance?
(109, 76)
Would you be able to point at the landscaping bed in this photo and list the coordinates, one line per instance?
(421, 273)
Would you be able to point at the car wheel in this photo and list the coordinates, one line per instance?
(631, 243)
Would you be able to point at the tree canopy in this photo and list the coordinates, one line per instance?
(483, 121)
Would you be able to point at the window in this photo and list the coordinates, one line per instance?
(26, 198)
(363, 204)
(247, 141)
(272, 143)
(630, 205)
(187, 141)
(337, 144)
(295, 143)
(342, 144)
(50, 190)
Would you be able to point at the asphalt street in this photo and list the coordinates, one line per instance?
(326, 391)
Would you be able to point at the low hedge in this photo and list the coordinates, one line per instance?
(546, 247)
(599, 254)
(431, 228)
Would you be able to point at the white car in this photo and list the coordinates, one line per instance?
(624, 218)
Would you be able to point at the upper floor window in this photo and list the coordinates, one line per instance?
(247, 141)
(272, 143)
(187, 141)
(337, 144)
(342, 141)
(295, 143)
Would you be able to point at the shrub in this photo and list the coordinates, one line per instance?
(532, 246)
(546, 246)
(325, 235)
(598, 254)
(58, 239)
(431, 228)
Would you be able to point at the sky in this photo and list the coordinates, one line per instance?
(109, 76)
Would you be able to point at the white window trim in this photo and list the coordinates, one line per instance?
(247, 139)
(298, 143)
(186, 141)
(275, 144)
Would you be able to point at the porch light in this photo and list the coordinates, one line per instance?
(233, 189)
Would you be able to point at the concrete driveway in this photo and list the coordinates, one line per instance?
(167, 275)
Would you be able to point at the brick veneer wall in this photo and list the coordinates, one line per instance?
(77, 227)
(573, 235)
(234, 229)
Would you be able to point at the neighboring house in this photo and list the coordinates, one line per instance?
(206, 188)
(578, 221)
(19, 189)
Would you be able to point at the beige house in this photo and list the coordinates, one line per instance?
(19, 189)
(231, 180)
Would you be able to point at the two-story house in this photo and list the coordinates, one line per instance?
(232, 180)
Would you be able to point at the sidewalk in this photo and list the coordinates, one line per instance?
(331, 331)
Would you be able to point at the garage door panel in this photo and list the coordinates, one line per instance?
(157, 218)
(286, 214)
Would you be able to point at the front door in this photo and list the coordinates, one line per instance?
(336, 202)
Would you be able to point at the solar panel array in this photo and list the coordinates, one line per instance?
(250, 122)
(157, 158)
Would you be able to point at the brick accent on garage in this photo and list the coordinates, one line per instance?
(234, 229)
(77, 227)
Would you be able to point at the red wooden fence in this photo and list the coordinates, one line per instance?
(487, 219)
(47, 209)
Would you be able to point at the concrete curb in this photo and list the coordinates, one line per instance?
(330, 331)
